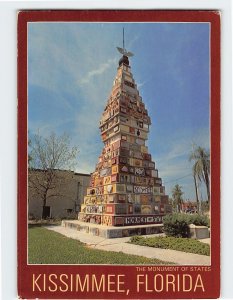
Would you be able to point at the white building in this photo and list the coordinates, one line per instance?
(63, 201)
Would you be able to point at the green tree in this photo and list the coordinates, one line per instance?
(201, 168)
(177, 196)
(47, 155)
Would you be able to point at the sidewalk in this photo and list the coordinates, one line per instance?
(121, 245)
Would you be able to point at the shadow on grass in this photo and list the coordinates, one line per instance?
(41, 223)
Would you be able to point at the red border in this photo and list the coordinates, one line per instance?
(212, 278)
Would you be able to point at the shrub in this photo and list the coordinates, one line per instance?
(136, 239)
(176, 225)
(44, 222)
(199, 220)
(179, 244)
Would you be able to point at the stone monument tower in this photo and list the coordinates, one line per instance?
(125, 187)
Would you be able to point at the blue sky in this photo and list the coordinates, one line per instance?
(71, 68)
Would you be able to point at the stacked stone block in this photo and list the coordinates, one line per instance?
(125, 187)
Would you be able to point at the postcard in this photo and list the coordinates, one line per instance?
(118, 154)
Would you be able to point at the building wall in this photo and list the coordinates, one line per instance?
(70, 190)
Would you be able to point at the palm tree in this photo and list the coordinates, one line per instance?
(196, 189)
(201, 168)
(177, 196)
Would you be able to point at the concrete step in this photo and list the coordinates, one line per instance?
(112, 231)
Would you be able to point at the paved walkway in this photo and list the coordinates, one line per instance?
(121, 245)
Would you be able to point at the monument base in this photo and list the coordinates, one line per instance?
(120, 220)
(110, 232)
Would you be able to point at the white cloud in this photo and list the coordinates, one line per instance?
(49, 126)
(141, 84)
(174, 166)
(99, 71)
(182, 142)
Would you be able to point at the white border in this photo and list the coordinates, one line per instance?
(8, 125)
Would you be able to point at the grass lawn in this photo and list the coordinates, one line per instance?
(179, 244)
(49, 247)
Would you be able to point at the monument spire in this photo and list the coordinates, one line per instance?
(125, 54)
(125, 188)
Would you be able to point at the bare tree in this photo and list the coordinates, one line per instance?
(47, 156)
